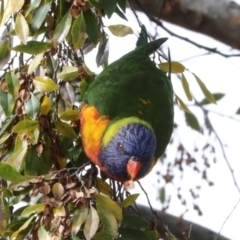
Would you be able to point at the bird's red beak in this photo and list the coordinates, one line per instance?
(133, 168)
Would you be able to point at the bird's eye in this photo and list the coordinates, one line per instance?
(120, 148)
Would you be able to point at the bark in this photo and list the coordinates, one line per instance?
(219, 19)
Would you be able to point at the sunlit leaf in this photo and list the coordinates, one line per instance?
(46, 105)
(17, 157)
(174, 67)
(78, 219)
(32, 209)
(25, 126)
(4, 137)
(21, 28)
(182, 105)
(204, 89)
(7, 172)
(186, 89)
(40, 16)
(120, 30)
(44, 84)
(7, 102)
(4, 53)
(79, 32)
(217, 97)
(33, 5)
(109, 7)
(68, 73)
(192, 121)
(110, 205)
(70, 115)
(11, 7)
(91, 224)
(35, 63)
(62, 29)
(24, 226)
(43, 234)
(33, 47)
(12, 83)
(65, 129)
(91, 25)
(59, 211)
(129, 200)
(32, 106)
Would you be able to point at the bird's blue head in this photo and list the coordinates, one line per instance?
(127, 149)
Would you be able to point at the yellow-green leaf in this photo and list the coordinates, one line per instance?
(17, 157)
(204, 89)
(12, 83)
(32, 209)
(70, 115)
(57, 190)
(35, 63)
(4, 53)
(78, 219)
(174, 67)
(91, 225)
(4, 137)
(186, 89)
(24, 226)
(21, 28)
(43, 234)
(65, 129)
(59, 212)
(7, 102)
(103, 187)
(129, 200)
(182, 104)
(33, 47)
(7, 172)
(120, 30)
(46, 105)
(110, 205)
(44, 84)
(25, 126)
(11, 7)
(68, 73)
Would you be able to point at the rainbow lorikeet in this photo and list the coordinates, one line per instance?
(127, 116)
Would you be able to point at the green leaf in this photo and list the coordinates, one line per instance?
(122, 4)
(33, 47)
(4, 214)
(35, 63)
(182, 105)
(4, 53)
(103, 187)
(7, 102)
(40, 16)
(62, 29)
(204, 89)
(24, 226)
(44, 84)
(135, 221)
(70, 115)
(43, 234)
(25, 126)
(32, 209)
(4, 137)
(67, 93)
(33, 5)
(120, 30)
(65, 129)
(109, 7)
(192, 121)
(91, 25)
(120, 13)
(91, 225)
(174, 67)
(32, 106)
(129, 200)
(110, 205)
(130, 233)
(68, 73)
(162, 192)
(108, 220)
(217, 97)
(21, 28)
(37, 162)
(103, 52)
(78, 219)
(12, 6)
(79, 32)
(186, 89)
(12, 84)
(103, 235)
(8, 173)
(238, 111)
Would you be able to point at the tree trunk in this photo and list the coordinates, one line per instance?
(219, 19)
